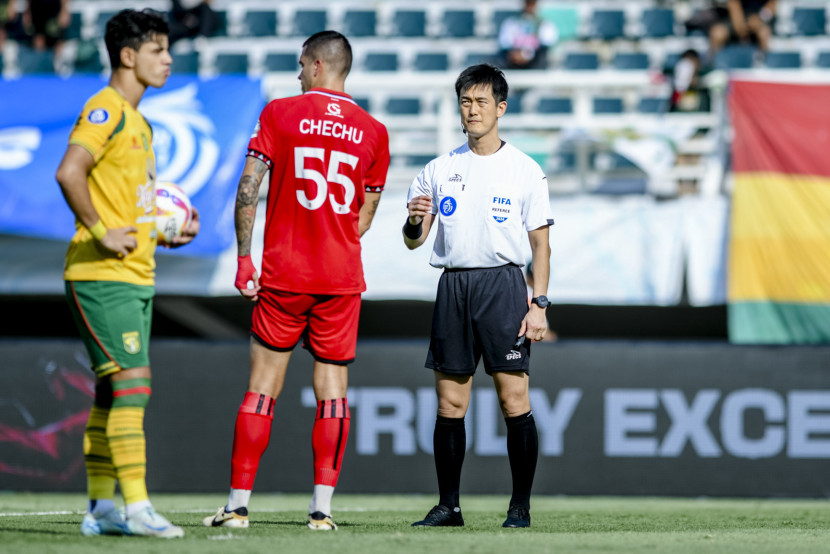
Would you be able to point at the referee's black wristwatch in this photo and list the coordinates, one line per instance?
(541, 301)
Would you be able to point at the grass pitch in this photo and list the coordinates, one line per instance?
(46, 523)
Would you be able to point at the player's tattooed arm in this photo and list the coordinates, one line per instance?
(367, 212)
(247, 195)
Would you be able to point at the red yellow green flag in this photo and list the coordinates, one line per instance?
(779, 254)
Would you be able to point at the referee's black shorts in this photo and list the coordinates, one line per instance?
(478, 313)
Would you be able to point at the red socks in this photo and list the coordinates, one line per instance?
(250, 439)
(328, 440)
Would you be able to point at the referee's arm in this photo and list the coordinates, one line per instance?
(417, 225)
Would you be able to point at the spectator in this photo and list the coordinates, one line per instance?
(46, 22)
(192, 18)
(524, 39)
(746, 22)
(688, 93)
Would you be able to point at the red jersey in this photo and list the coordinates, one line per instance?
(325, 152)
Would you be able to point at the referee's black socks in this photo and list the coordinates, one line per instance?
(449, 441)
(522, 451)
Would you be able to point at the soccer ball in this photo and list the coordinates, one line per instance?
(173, 211)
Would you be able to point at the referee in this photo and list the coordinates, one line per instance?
(484, 195)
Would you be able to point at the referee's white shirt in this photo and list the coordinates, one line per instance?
(485, 205)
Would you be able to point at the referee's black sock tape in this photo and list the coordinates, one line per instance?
(413, 231)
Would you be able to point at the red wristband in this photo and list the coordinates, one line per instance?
(245, 271)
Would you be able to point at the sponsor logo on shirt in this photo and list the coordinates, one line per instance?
(448, 205)
(98, 116)
(455, 178)
(513, 355)
(333, 109)
(500, 209)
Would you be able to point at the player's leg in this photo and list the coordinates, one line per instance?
(114, 319)
(522, 442)
(328, 440)
(278, 320)
(332, 340)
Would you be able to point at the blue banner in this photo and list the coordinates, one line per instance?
(200, 134)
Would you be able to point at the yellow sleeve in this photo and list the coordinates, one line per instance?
(101, 118)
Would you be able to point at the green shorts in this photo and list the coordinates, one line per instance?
(114, 320)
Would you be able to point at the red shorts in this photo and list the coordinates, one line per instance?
(328, 324)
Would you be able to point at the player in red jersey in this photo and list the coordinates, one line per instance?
(328, 160)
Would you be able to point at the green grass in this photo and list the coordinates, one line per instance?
(381, 524)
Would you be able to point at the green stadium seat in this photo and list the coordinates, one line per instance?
(658, 22)
(35, 62)
(809, 21)
(228, 63)
(186, 63)
(458, 24)
(403, 106)
(607, 105)
(431, 61)
(409, 23)
(259, 23)
(632, 61)
(607, 24)
(381, 61)
(308, 22)
(282, 61)
(554, 105)
(783, 60)
(359, 23)
(581, 61)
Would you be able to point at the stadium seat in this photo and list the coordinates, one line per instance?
(555, 105)
(87, 58)
(259, 23)
(607, 105)
(738, 56)
(630, 61)
(308, 22)
(653, 105)
(221, 24)
(823, 60)
(607, 24)
(458, 24)
(403, 106)
(362, 101)
(359, 23)
(475, 58)
(101, 22)
(431, 61)
(282, 61)
(381, 61)
(809, 21)
(186, 63)
(582, 61)
(408, 23)
(35, 62)
(418, 160)
(231, 63)
(783, 60)
(498, 18)
(658, 22)
(75, 25)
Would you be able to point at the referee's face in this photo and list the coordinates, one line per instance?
(479, 111)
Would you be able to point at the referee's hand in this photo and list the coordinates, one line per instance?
(418, 208)
(535, 324)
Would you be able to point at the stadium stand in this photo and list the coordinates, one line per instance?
(606, 69)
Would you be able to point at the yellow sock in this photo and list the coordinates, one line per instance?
(100, 473)
(125, 432)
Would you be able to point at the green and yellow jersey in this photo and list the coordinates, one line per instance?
(122, 187)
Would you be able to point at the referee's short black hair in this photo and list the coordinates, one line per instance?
(132, 28)
(482, 74)
(331, 47)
